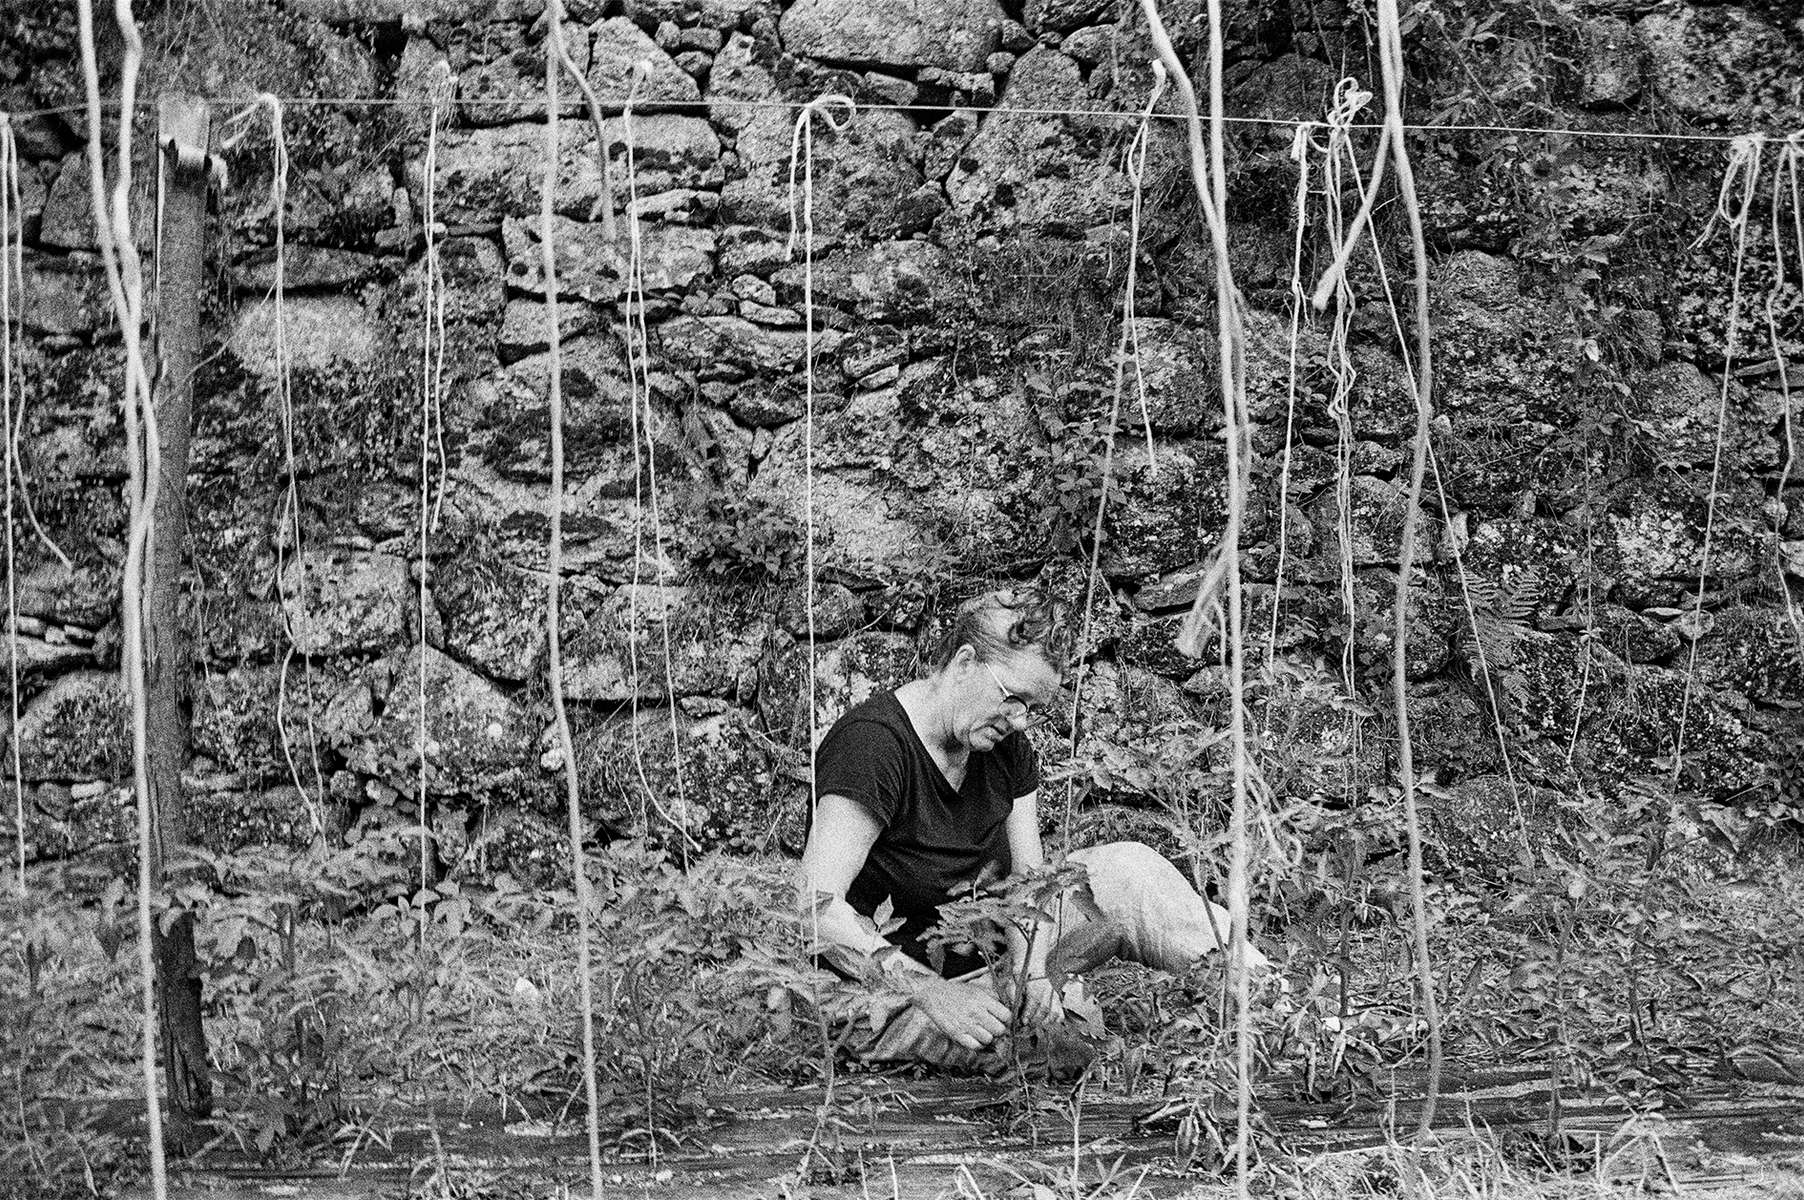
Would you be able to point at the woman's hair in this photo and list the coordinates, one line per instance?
(1007, 621)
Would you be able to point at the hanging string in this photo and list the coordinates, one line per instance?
(801, 155)
(1126, 347)
(1299, 154)
(554, 13)
(125, 286)
(1421, 380)
(1471, 610)
(639, 334)
(12, 301)
(645, 493)
(555, 32)
(289, 529)
(1743, 170)
(14, 332)
(1787, 172)
(1348, 101)
(432, 380)
(1208, 173)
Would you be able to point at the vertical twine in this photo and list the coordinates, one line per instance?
(1390, 39)
(125, 286)
(11, 212)
(553, 570)
(1126, 347)
(1744, 166)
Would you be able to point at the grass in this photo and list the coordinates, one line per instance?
(330, 1035)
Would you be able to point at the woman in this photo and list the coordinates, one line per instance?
(930, 793)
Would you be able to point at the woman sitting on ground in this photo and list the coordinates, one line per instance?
(930, 793)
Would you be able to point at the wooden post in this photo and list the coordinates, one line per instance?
(183, 128)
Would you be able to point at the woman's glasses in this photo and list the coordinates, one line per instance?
(1014, 707)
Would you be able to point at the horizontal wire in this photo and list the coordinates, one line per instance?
(795, 105)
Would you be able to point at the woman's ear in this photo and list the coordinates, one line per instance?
(964, 656)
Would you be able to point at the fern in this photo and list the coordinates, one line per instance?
(1491, 644)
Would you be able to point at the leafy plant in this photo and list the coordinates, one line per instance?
(749, 540)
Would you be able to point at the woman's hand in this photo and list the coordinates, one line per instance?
(1039, 1003)
(969, 1015)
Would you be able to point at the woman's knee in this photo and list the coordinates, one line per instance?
(1118, 865)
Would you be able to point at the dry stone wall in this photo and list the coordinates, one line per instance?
(971, 242)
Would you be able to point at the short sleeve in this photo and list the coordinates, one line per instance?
(1022, 765)
(865, 762)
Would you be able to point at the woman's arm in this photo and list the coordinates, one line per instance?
(838, 845)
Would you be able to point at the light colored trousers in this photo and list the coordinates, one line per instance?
(1144, 911)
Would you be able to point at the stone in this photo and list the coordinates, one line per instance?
(85, 596)
(746, 249)
(731, 348)
(846, 673)
(240, 714)
(1062, 16)
(1487, 823)
(710, 14)
(65, 295)
(476, 739)
(705, 39)
(977, 89)
(1029, 169)
(1726, 66)
(68, 220)
(505, 76)
(739, 82)
(1674, 407)
(713, 651)
(1661, 538)
(1178, 367)
(1124, 704)
(1169, 504)
(955, 35)
(305, 268)
(322, 331)
(78, 728)
(423, 75)
(619, 47)
(1173, 590)
(886, 282)
(471, 273)
(868, 184)
(592, 268)
(1091, 46)
(711, 777)
(1609, 64)
(871, 349)
(838, 610)
(1755, 652)
(865, 521)
(339, 602)
(228, 821)
(494, 617)
(1632, 637)
(950, 135)
(887, 89)
(487, 174)
(26, 217)
(524, 328)
(506, 412)
(765, 314)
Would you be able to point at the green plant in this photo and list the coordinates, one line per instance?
(748, 540)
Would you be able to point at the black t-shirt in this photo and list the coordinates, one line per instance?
(937, 844)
